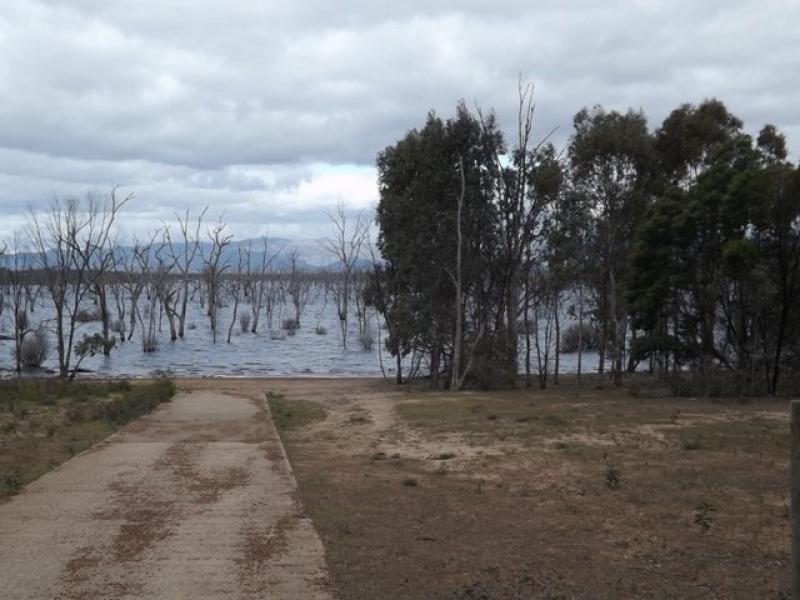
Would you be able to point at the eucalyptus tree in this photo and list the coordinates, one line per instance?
(613, 164)
(678, 284)
(420, 188)
(520, 206)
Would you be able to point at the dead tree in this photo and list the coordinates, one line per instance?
(16, 290)
(184, 258)
(345, 247)
(261, 285)
(66, 240)
(215, 266)
(235, 284)
(167, 288)
(298, 287)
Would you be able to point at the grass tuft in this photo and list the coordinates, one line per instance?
(294, 414)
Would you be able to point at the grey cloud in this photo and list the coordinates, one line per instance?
(235, 102)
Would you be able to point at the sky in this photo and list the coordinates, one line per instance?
(271, 113)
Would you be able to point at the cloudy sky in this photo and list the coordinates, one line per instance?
(274, 111)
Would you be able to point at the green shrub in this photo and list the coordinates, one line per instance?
(493, 365)
(588, 335)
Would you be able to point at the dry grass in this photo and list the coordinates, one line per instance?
(46, 422)
(544, 493)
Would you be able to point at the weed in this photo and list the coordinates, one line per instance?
(443, 456)
(13, 480)
(244, 322)
(703, 515)
(613, 476)
(34, 349)
(410, 482)
(366, 339)
(693, 442)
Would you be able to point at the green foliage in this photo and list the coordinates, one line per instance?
(491, 369)
(704, 515)
(575, 336)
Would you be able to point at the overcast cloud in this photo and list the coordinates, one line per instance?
(274, 111)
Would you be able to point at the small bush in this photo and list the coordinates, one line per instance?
(244, 322)
(703, 515)
(493, 366)
(34, 350)
(410, 482)
(443, 456)
(693, 442)
(588, 335)
(91, 345)
(320, 330)
(290, 325)
(366, 339)
(191, 326)
(613, 478)
(86, 316)
(118, 326)
(277, 335)
(12, 481)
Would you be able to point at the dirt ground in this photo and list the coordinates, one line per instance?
(542, 494)
(195, 500)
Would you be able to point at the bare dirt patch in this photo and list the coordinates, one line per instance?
(544, 494)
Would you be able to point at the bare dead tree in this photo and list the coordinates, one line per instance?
(298, 286)
(184, 258)
(102, 263)
(134, 280)
(235, 284)
(215, 266)
(345, 247)
(167, 288)
(142, 269)
(262, 285)
(118, 290)
(16, 290)
(67, 240)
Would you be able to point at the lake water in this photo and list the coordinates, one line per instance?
(306, 354)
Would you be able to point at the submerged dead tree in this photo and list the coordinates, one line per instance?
(67, 240)
(345, 247)
(215, 266)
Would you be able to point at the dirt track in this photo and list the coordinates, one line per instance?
(193, 501)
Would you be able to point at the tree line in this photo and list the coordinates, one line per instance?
(675, 250)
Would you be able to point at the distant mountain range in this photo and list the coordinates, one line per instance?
(311, 255)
